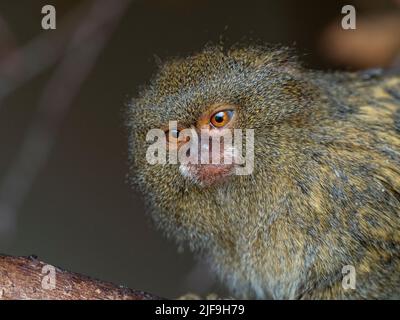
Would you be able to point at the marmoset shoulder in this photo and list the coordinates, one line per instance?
(324, 189)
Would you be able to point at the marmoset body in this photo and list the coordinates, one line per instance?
(325, 189)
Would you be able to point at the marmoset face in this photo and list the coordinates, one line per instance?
(208, 106)
(207, 152)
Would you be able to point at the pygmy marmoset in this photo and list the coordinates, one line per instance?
(325, 189)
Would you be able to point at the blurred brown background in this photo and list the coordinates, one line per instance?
(63, 155)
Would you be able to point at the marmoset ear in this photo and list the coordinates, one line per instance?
(282, 61)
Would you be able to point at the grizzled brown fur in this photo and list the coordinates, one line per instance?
(325, 191)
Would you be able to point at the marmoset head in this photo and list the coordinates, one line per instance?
(254, 92)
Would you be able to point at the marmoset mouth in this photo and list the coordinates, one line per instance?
(207, 174)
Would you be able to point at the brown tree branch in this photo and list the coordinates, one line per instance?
(27, 278)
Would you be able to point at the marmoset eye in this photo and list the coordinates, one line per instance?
(221, 118)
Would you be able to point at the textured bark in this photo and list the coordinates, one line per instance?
(25, 278)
